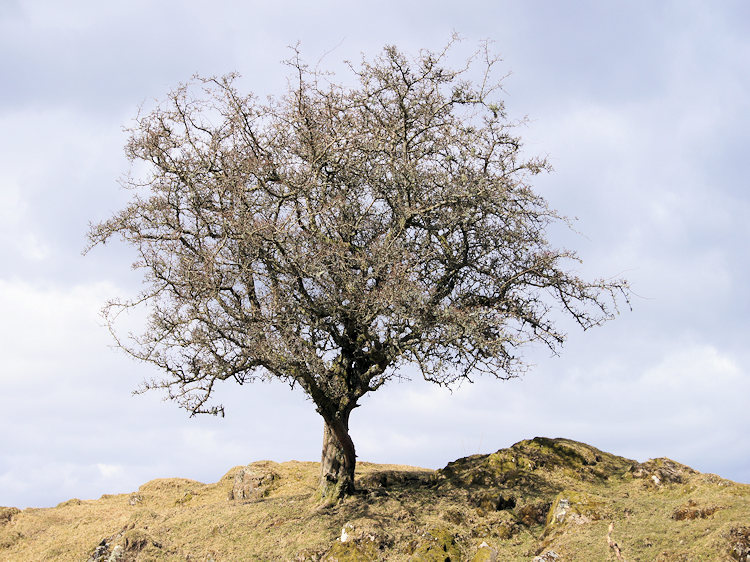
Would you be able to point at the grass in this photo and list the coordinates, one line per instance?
(538, 496)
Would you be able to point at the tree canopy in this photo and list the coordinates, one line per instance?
(332, 235)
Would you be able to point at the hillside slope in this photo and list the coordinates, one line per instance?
(541, 499)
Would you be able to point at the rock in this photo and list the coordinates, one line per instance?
(346, 532)
(101, 552)
(437, 544)
(184, 498)
(519, 465)
(533, 514)
(135, 499)
(118, 552)
(659, 471)
(739, 544)
(485, 554)
(575, 507)
(253, 482)
(7, 513)
(136, 540)
(393, 478)
(549, 556)
(489, 501)
(360, 539)
(691, 511)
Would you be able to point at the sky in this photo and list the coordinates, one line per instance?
(643, 109)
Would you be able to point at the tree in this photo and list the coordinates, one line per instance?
(330, 236)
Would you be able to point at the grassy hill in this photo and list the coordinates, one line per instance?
(541, 499)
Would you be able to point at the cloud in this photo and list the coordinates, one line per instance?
(16, 236)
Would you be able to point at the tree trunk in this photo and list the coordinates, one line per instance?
(338, 459)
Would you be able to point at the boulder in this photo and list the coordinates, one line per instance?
(549, 556)
(253, 482)
(691, 511)
(657, 472)
(7, 513)
(575, 507)
(739, 544)
(485, 553)
(437, 544)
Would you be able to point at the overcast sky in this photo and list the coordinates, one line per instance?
(642, 107)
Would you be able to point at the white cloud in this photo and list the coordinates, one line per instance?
(110, 471)
(16, 230)
(45, 327)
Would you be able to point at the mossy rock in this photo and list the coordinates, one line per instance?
(571, 506)
(437, 545)
(7, 513)
(739, 544)
(351, 551)
(485, 554)
(657, 472)
(186, 497)
(539, 465)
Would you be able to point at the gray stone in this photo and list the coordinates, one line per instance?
(253, 482)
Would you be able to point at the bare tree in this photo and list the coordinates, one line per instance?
(331, 236)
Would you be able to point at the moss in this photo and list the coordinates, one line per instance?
(351, 551)
(437, 545)
(485, 554)
(186, 497)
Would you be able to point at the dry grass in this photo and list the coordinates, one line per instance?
(537, 496)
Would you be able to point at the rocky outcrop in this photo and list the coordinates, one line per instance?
(739, 544)
(253, 482)
(691, 510)
(575, 507)
(7, 513)
(527, 462)
(657, 472)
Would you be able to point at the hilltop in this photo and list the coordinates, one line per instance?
(541, 499)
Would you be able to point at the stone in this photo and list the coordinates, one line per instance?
(533, 514)
(575, 507)
(253, 482)
(485, 553)
(7, 513)
(691, 511)
(360, 539)
(661, 471)
(118, 552)
(549, 556)
(437, 544)
(101, 552)
(739, 544)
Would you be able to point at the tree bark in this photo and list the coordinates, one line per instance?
(338, 459)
